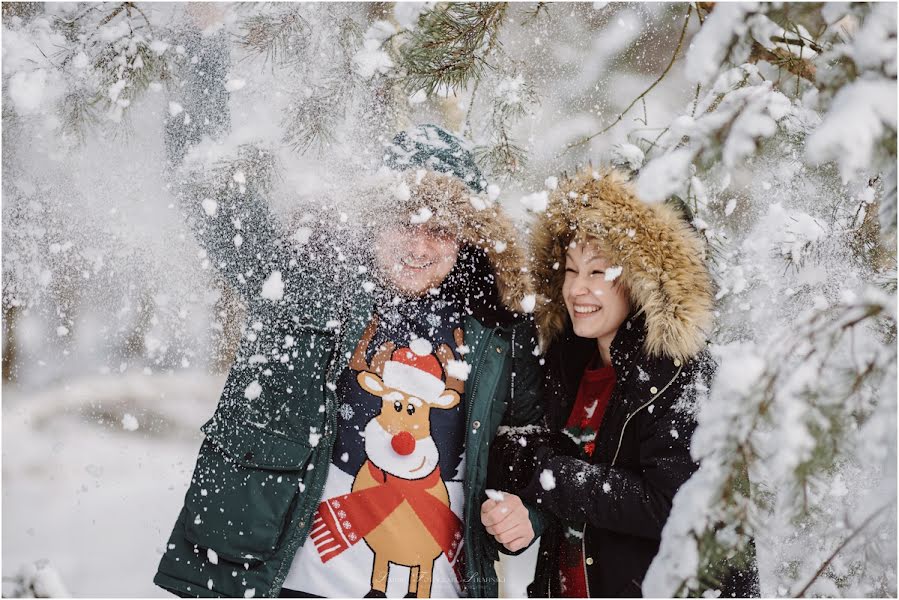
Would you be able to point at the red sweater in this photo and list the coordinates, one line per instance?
(593, 396)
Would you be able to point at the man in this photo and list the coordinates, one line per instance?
(366, 391)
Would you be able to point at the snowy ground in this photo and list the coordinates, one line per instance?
(85, 490)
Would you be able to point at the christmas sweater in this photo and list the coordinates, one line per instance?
(390, 516)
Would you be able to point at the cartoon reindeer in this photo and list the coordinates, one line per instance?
(399, 488)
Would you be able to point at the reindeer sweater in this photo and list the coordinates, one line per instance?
(395, 479)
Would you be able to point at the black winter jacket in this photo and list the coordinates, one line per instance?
(622, 496)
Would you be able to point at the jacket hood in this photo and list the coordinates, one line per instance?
(445, 202)
(661, 256)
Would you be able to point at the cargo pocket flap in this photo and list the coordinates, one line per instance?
(252, 446)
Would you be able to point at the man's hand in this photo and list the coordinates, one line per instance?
(507, 520)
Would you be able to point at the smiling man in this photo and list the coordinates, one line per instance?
(359, 408)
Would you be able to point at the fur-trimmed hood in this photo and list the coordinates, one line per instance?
(661, 256)
(444, 201)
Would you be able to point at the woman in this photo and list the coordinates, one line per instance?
(625, 305)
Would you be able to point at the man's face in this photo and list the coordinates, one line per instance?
(415, 258)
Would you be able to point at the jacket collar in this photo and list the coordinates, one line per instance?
(572, 354)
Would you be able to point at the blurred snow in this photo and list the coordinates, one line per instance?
(101, 499)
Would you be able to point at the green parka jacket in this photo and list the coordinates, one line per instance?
(262, 467)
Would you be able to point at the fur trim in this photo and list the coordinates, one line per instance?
(472, 218)
(661, 256)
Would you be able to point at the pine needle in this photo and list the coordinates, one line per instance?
(450, 46)
(280, 37)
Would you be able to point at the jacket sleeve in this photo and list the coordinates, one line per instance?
(632, 502)
(224, 204)
(526, 406)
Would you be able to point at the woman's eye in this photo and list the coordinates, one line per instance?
(570, 270)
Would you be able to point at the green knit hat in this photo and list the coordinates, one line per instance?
(434, 148)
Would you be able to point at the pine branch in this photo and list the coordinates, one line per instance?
(126, 63)
(79, 114)
(451, 45)
(280, 37)
(815, 339)
(504, 158)
(311, 121)
(621, 115)
(534, 13)
(779, 57)
(842, 545)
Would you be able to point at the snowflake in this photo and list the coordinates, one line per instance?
(352, 537)
(335, 503)
(341, 514)
(346, 412)
(347, 525)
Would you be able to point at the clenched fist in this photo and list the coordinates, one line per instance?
(507, 521)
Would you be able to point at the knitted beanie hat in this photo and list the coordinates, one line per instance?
(435, 149)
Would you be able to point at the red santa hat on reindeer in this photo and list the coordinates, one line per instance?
(416, 372)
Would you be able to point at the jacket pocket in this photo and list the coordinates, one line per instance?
(242, 491)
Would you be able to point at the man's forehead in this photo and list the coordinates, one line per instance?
(421, 229)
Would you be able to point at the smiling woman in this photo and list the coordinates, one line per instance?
(624, 330)
(597, 303)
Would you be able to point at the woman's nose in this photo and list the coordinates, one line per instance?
(579, 286)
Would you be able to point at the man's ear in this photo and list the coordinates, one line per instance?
(371, 383)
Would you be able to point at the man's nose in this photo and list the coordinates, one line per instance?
(417, 244)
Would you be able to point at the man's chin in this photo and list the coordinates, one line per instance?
(413, 286)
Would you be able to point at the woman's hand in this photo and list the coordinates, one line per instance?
(507, 520)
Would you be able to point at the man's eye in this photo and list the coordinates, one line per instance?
(598, 273)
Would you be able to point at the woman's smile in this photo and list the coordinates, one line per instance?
(585, 310)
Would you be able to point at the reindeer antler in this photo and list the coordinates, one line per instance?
(385, 351)
(357, 361)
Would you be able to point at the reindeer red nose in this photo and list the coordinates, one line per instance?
(403, 443)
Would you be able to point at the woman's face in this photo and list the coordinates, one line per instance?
(415, 258)
(596, 302)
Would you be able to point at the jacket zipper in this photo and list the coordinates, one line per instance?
(584, 559)
(469, 399)
(615, 458)
(641, 407)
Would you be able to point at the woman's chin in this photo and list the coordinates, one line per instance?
(585, 330)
